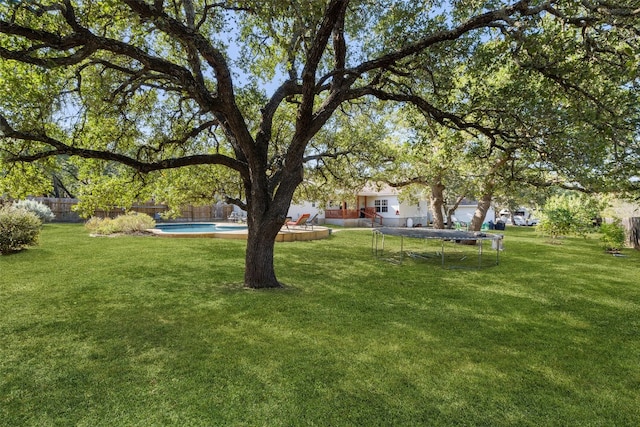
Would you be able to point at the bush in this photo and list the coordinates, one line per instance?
(555, 222)
(130, 223)
(40, 209)
(19, 228)
(134, 222)
(566, 214)
(613, 235)
(103, 226)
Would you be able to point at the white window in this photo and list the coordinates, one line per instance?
(381, 205)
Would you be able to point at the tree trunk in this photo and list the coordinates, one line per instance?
(259, 271)
(451, 210)
(485, 201)
(449, 217)
(481, 212)
(264, 227)
(266, 215)
(437, 202)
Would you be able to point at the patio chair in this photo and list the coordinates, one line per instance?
(300, 221)
(310, 222)
(461, 225)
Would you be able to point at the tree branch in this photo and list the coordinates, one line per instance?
(481, 21)
(60, 148)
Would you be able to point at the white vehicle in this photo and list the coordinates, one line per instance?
(519, 220)
(521, 216)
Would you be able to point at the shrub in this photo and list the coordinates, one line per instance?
(555, 222)
(613, 235)
(568, 214)
(103, 226)
(129, 223)
(93, 223)
(40, 209)
(19, 228)
(134, 222)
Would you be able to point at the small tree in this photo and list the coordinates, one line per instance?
(556, 222)
(568, 213)
(613, 235)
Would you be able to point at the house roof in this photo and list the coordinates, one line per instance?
(376, 189)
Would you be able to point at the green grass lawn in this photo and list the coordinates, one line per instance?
(155, 332)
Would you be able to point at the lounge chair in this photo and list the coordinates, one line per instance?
(309, 222)
(300, 221)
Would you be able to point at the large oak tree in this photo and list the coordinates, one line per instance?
(162, 85)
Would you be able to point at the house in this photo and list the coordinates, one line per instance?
(381, 205)
(378, 205)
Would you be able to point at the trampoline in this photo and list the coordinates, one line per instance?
(456, 237)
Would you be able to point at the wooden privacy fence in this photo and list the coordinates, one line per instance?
(632, 231)
(62, 209)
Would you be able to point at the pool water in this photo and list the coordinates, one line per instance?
(225, 230)
(198, 227)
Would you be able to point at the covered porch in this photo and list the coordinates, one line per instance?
(363, 216)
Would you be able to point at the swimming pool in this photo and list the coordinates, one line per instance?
(231, 231)
(199, 227)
